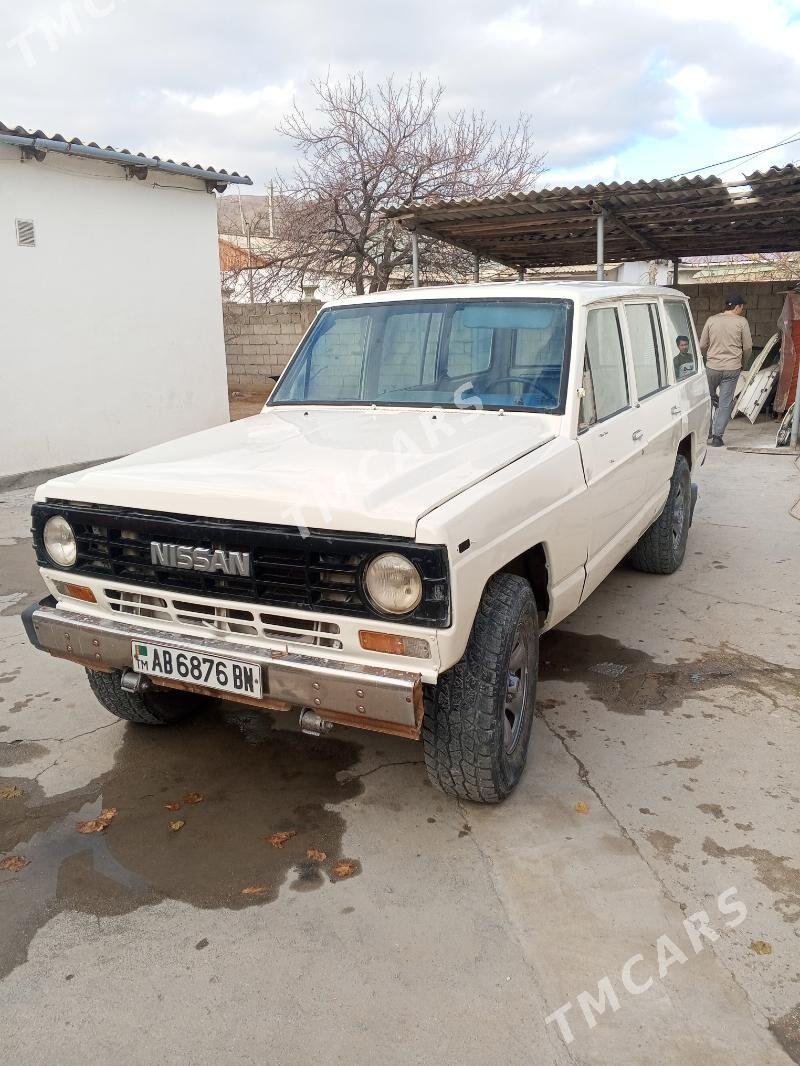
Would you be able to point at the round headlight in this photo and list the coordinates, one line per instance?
(59, 540)
(393, 584)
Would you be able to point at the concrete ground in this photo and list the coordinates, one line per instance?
(662, 781)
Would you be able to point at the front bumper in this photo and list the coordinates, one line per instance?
(370, 697)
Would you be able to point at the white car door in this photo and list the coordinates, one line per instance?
(610, 439)
(657, 402)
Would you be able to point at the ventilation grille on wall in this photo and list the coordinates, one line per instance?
(26, 235)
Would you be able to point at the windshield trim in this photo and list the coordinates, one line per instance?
(559, 409)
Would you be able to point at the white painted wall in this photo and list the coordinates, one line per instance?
(111, 333)
(638, 273)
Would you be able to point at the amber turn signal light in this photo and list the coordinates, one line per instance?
(75, 592)
(392, 644)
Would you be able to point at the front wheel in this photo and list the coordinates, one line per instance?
(477, 726)
(157, 706)
(661, 549)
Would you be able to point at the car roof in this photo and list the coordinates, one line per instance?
(581, 292)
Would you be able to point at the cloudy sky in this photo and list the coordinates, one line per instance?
(617, 89)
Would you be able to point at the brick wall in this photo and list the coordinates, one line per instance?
(764, 303)
(260, 338)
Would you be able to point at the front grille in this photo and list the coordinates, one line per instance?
(224, 619)
(318, 572)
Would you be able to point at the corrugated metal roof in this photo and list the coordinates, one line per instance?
(202, 171)
(644, 219)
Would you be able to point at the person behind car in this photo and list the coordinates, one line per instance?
(684, 360)
(726, 344)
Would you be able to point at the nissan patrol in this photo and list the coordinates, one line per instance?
(439, 476)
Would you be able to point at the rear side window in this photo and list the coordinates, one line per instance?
(647, 349)
(605, 383)
(680, 339)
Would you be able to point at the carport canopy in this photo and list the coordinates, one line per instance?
(631, 221)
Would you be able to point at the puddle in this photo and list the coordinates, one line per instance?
(19, 574)
(255, 781)
(664, 843)
(629, 681)
(771, 870)
(786, 1030)
(15, 752)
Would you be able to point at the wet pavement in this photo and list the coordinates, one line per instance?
(261, 895)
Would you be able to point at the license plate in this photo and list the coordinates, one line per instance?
(210, 671)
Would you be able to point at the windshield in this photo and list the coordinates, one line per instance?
(509, 353)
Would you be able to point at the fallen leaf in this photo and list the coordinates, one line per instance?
(97, 825)
(761, 947)
(14, 863)
(255, 890)
(175, 826)
(193, 797)
(176, 806)
(582, 808)
(316, 855)
(93, 826)
(344, 868)
(10, 792)
(277, 840)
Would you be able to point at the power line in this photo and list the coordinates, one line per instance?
(735, 159)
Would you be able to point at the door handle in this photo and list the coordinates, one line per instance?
(637, 434)
(675, 410)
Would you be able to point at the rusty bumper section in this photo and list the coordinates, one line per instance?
(369, 697)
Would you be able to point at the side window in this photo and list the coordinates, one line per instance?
(680, 339)
(605, 383)
(646, 348)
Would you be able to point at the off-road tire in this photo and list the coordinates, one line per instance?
(156, 707)
(463, 728)
(661, 549)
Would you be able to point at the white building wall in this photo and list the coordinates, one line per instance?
(111, 334)
(638, 273)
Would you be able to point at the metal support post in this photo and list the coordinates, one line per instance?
(415, 258)
(675, 267)
(601, 266)
(476, 268)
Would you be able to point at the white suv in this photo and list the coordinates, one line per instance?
(439, 476)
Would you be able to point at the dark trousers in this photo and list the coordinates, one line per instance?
(721, 385)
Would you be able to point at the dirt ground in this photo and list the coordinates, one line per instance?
(662, 782)
(246, 402)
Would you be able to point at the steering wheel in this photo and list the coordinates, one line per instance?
(527, 386)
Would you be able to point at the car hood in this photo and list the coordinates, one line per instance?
(354, 469)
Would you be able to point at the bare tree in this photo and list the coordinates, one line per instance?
(367, 148)
(759, 266)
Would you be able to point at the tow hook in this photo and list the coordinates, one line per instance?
(134, 683)
(310, 722)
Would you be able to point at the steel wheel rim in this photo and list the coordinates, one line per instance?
(517, 682)
(678, 516)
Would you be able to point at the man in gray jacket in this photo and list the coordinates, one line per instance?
(726, 344)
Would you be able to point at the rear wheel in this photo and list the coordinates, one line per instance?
(157, 706)
(661, 549)
(478, 724)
